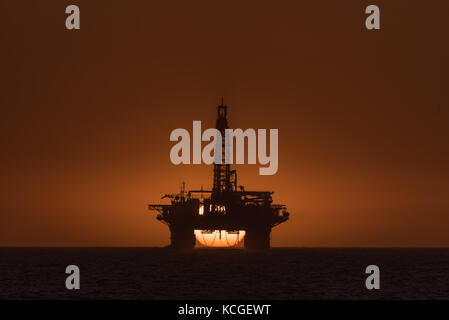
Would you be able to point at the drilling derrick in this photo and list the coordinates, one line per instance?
(223, 208)
(221, 169)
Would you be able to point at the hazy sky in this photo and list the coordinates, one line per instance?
(362, 116)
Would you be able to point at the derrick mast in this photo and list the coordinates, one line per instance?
(224, 178)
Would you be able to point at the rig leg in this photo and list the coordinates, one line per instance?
(182, 238)
(258, 238)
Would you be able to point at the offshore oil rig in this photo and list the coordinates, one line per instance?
(227, 207)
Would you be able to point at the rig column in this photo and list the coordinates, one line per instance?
(258, 238)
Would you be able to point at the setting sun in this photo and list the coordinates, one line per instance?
(219, 238)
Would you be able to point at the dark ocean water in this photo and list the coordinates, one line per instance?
(156, 273)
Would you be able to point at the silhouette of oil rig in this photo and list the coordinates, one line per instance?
(226, 207)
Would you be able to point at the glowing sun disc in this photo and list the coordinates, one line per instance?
(219, 238)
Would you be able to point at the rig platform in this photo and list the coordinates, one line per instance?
(226, 207)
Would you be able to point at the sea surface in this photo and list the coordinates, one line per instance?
(281, 273)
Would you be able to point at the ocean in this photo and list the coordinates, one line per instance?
(281, 273)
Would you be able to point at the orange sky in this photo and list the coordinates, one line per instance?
(362, 116)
